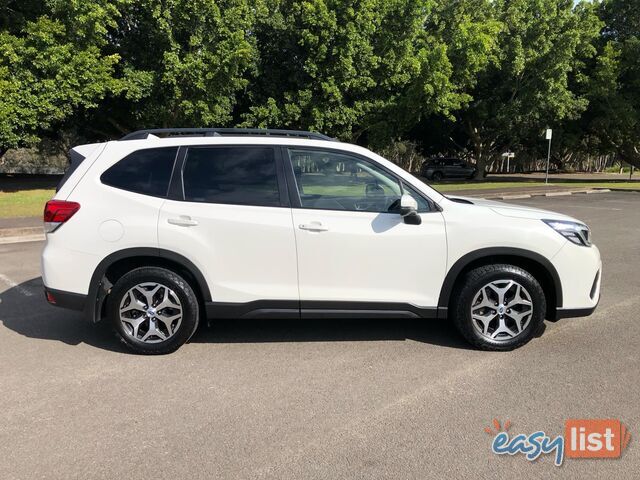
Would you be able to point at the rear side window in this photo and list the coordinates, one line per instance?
(143, 171)
(231, 175)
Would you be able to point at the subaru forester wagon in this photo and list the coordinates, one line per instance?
(163, 229)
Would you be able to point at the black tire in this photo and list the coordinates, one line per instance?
(182, 290)
(470, 285)
(436, 177)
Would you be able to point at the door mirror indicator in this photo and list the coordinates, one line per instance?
(409, 210)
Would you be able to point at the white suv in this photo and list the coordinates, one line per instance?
(164, 228)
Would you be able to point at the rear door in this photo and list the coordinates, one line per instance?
(229, 214)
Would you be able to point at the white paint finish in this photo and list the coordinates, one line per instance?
(474, 227)
(64, 269)
(72, 253)
(372, 257)
(245, 253)
(577, 267)
(111, 230)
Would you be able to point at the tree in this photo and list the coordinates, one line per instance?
(184, 62)
(359, 70)
(613, 117)
(49, 70)
(542, 49)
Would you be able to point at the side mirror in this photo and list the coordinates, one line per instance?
(409, 210)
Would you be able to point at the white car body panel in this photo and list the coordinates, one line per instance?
(246, 253)
(370, 257)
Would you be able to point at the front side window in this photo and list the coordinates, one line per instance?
(145, 171)
(335, 181)
(231, 175)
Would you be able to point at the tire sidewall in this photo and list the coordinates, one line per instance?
(499, 272)
(182, 289)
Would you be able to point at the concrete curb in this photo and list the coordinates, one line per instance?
(22, 238)
(20, 232)
(502, 196)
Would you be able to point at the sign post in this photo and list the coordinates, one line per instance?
(548, 137)
(509, 156)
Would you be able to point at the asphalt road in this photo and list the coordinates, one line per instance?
(306, 400)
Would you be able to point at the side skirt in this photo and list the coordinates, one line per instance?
(292, 309)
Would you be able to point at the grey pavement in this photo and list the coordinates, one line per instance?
(316, 399)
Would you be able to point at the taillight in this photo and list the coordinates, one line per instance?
(57, 212)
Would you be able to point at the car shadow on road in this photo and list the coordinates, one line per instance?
(434, 332)
(24, 310)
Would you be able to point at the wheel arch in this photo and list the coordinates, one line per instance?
(540, 267)
(118, 263)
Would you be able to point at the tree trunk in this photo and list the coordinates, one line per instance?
(631, 154)
(479, 151)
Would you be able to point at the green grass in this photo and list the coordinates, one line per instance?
(448, 187)
(30, 203)
(25, 203)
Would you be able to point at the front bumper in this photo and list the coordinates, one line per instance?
(575, 312)
(580, 272)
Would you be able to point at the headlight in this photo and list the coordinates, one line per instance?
(577, 233)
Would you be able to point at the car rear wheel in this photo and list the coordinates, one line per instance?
(436, 177)
(499, 307)
(153, 310)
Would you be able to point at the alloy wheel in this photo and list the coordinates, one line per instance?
(150, 312)
(501, 310)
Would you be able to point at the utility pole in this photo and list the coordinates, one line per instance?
(548, 137)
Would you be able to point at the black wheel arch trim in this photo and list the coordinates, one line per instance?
(98, 289)
(467, 259)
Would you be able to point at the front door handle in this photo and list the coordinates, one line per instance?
(313, 227)
(183, 221)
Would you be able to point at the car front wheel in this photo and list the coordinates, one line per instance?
(498, 307)
(153, 310)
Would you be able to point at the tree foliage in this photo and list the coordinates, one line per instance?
(49, 69)
(481, 76)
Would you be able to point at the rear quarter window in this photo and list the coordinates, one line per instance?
(145, 171)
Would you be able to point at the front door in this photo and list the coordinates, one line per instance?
(354, 249)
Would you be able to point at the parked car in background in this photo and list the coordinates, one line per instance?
(437, 169)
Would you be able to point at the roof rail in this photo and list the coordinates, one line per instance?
(217, 132)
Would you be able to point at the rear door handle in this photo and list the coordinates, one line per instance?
(313, 227)
(183, 221)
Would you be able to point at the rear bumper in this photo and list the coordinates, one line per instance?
(70, 300)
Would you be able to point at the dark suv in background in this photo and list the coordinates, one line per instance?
(438, 168)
